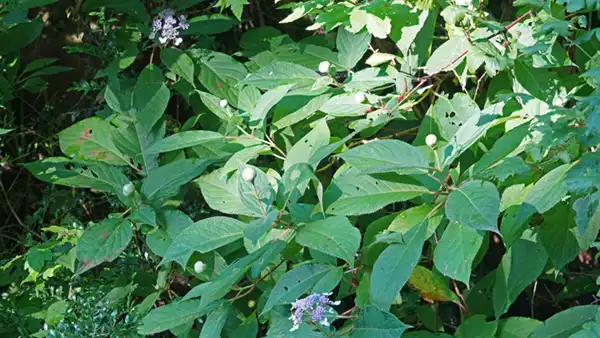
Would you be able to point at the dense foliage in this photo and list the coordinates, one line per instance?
(418, 168)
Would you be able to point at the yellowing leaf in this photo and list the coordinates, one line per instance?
(380, 28)
(432, 287)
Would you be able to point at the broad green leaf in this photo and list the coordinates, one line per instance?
(411, 217)
(351, 47)
(103, 242)
(179, 63)
(503, 147)
(213, 104)
(186, 139)
(18, 36)
(303, 150)
(172, 315)
(281, 327)
(210, 24)
(150, 98)
(344, 105)
(296, 283)
(204, 236)
(368, 79)
(475, 204)
(588, 225)
(240, 158)
(456, 251)
(540, 83)
(257, 195)
(171, 223)
(267, 101)
(301, 114)
(134, 141)
(222, 194)
(584, 175)
(557, 235)
(447, 56)
(221, 285)
(517, 327)
(215, 321)
(565, 323)
(255, 229)
(446, 116)
(380, 28)
(165, 181)
(476, 327)
(335, 236)
(383, 156)
(92, 139)
(281, 73)
(469, 132)
(431, 286)
(62, 171)
(357, 194)
(395, 265)
(515, 273)
(219, 73)
(373, 322)
(145, 214)
(5, 131)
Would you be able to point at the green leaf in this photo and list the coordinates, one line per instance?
(517, 327)
(255, 229)
(103, 242)
(374, 322)
(221, 285)
(92, 139)
(296, 283)
(222, 194)
(447, 56)
(368, 79)
(281, 73)
(476, 327)
(210, 24)
(62, 171)
(363, 194)
(557, 235)
(17, 37)
(456, 251)
(172, 223)
(267, 101)
(565, 323)
(539, 82)
(150, 98)
(344, 105)
(395, 265)
(431, 286)
(351, 47)
(411, 217)
(5, 131)
(204, 236)
(383, 156)
(304, 149)
(475, 204)
(503, 147)
(215, 321)
(186, 139)
(257, 195)
(134, 8)
(301, 114)
(165, 181)
(335, 236)
(179, 63)
(220, 73)
(281, 327)
(515, 273)
(172, 315)
(469, 132)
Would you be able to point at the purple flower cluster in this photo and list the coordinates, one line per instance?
(167, 27)
(313, 306)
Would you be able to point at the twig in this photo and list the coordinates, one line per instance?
(462, 299)
(238, 296)
(14, 213)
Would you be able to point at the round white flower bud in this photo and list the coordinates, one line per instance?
(223, 103)
(251, 303)
(430, 140)
(128, 189)
(324, 67)
(359, 97)
(248, 174)
(199, 266)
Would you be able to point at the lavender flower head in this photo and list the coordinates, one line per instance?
(314, 306)
(167, 27)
